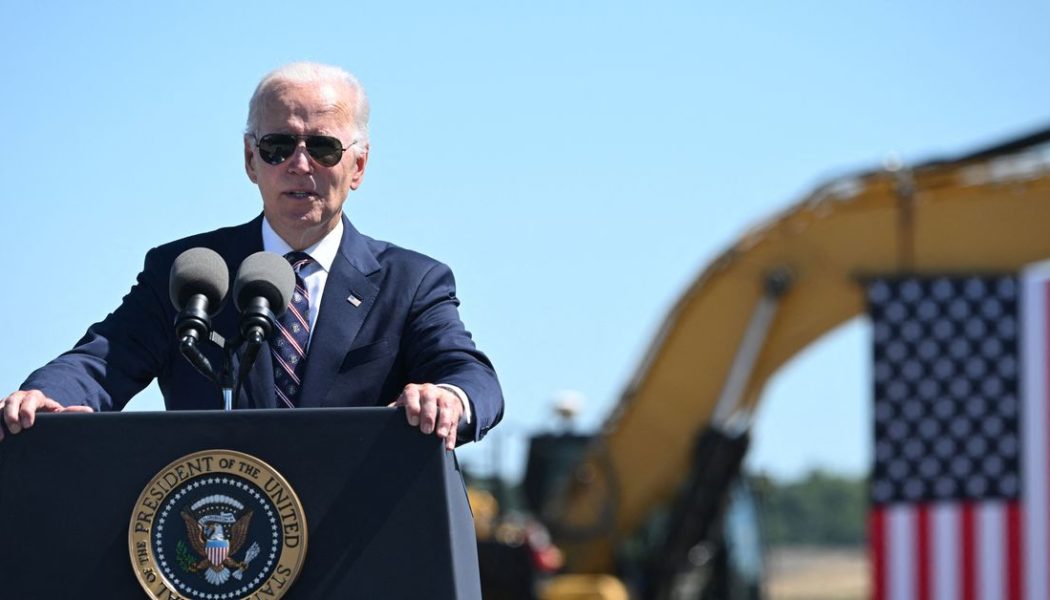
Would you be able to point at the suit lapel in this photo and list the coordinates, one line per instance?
(348, 298)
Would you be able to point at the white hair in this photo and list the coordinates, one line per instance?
(312, 73)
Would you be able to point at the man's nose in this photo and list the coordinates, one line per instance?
(299, 161)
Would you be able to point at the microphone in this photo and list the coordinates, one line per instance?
(261, 291)
(197, 286)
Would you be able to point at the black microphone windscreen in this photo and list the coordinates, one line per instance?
(199, 271)
(264, 274)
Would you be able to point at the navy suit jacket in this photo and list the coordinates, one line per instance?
(405, 329)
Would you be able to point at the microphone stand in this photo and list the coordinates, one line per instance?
(191, 323)
(226, 377)
(257, 325)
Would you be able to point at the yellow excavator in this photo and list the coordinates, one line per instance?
(651, 506)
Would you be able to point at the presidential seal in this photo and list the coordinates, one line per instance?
(217, 525)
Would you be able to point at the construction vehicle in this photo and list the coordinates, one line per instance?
(651, 506)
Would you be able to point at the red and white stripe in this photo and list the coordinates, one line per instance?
(284, 398)
(217, 554)
(299, 316)
(291, 340)
(945, 550)
(287, 368)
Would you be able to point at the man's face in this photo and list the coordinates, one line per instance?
(302, 199)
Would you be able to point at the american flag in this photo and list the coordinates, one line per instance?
(960, 482)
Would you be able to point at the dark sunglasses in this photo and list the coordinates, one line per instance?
(275, 148)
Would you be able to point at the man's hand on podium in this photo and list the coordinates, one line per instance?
(18, 410)
(433, 409)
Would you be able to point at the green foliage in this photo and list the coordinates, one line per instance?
(820, 509)
(184, 557)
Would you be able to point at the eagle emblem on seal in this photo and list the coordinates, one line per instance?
(217, 527)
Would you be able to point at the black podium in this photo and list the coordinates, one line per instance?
(384, 506)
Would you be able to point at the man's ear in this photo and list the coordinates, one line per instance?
(360, 161)
(249, 159)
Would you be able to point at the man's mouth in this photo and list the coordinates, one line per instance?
(301, 194)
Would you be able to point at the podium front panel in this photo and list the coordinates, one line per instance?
(385, 506)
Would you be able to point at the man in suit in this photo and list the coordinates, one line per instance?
(371, 324)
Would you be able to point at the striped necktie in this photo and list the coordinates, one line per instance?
(291, 337)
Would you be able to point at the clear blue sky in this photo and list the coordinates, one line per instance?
(577, 163)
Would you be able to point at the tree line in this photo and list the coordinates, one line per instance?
(821, 509)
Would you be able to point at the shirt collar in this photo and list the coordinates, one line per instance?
(323, 252)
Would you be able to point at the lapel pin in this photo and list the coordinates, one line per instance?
(352, 299)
